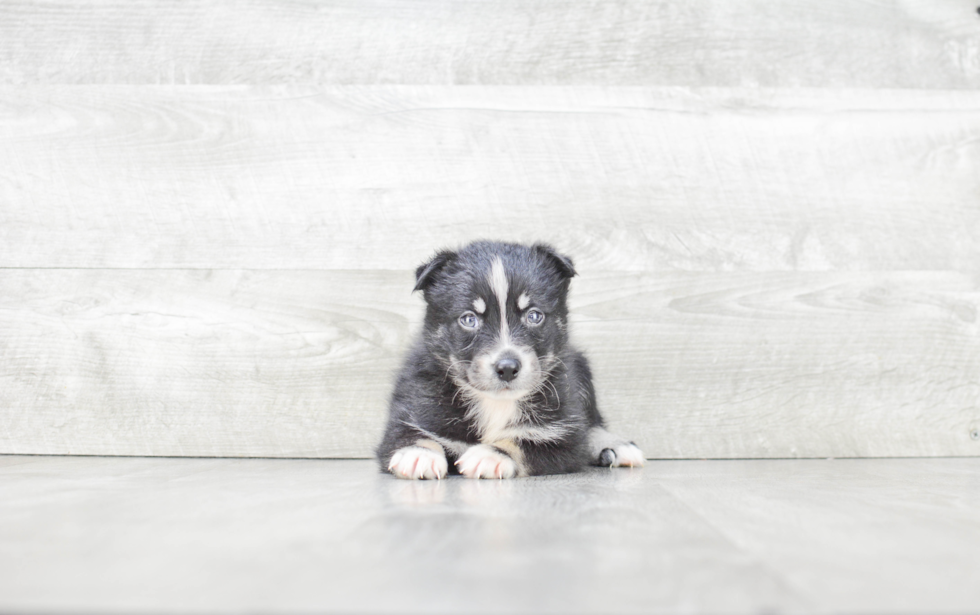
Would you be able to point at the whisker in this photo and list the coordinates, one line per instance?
(557, 397)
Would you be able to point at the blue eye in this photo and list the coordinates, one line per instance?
(534, 317)
(469, 321)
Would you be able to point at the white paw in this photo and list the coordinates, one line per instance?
(621, 454)
(418, 462)
(482, 461)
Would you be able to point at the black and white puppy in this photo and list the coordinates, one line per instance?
(492, 388)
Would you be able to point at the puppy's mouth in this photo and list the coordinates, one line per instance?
(504, 392)
(494, 388)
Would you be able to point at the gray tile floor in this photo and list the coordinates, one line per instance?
(90, 534)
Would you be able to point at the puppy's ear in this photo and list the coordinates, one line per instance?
(564, 264)
(426, 271)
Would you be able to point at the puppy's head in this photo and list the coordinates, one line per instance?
(496, 315)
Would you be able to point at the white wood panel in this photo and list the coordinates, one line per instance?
(788, 364)
(199, 362)
(780, 43)
(289, 363)
(380, 177)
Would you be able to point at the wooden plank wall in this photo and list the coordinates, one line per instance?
(210, 212)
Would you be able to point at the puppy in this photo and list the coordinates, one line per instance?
(492, 388)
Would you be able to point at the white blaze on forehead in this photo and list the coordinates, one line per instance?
(498, 283)
(523, 301)
(479, 305)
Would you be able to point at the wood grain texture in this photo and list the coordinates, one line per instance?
(199, 362)
(776, 43)
(209, 212)
(295, 364)
(380, 177)
(97, 535)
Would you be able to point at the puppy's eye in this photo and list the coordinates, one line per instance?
(469, 321)
(534, 317)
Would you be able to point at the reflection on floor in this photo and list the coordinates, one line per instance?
(91, 534)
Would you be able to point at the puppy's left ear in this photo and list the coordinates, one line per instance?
(425, 272)
(564, 264)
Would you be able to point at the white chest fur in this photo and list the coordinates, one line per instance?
(493, 417)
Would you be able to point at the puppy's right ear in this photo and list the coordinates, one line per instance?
(424, 274)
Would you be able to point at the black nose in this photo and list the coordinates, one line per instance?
(507, 369)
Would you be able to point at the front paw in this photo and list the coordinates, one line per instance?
(482, 461)
(418, 462)
(624, 454)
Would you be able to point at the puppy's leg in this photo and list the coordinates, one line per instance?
(424, 459)
(609, 450)
(500, 460)
(605, 449)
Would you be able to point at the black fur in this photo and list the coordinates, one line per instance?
(428, 399)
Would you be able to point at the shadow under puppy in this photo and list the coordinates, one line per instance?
(492, 384)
